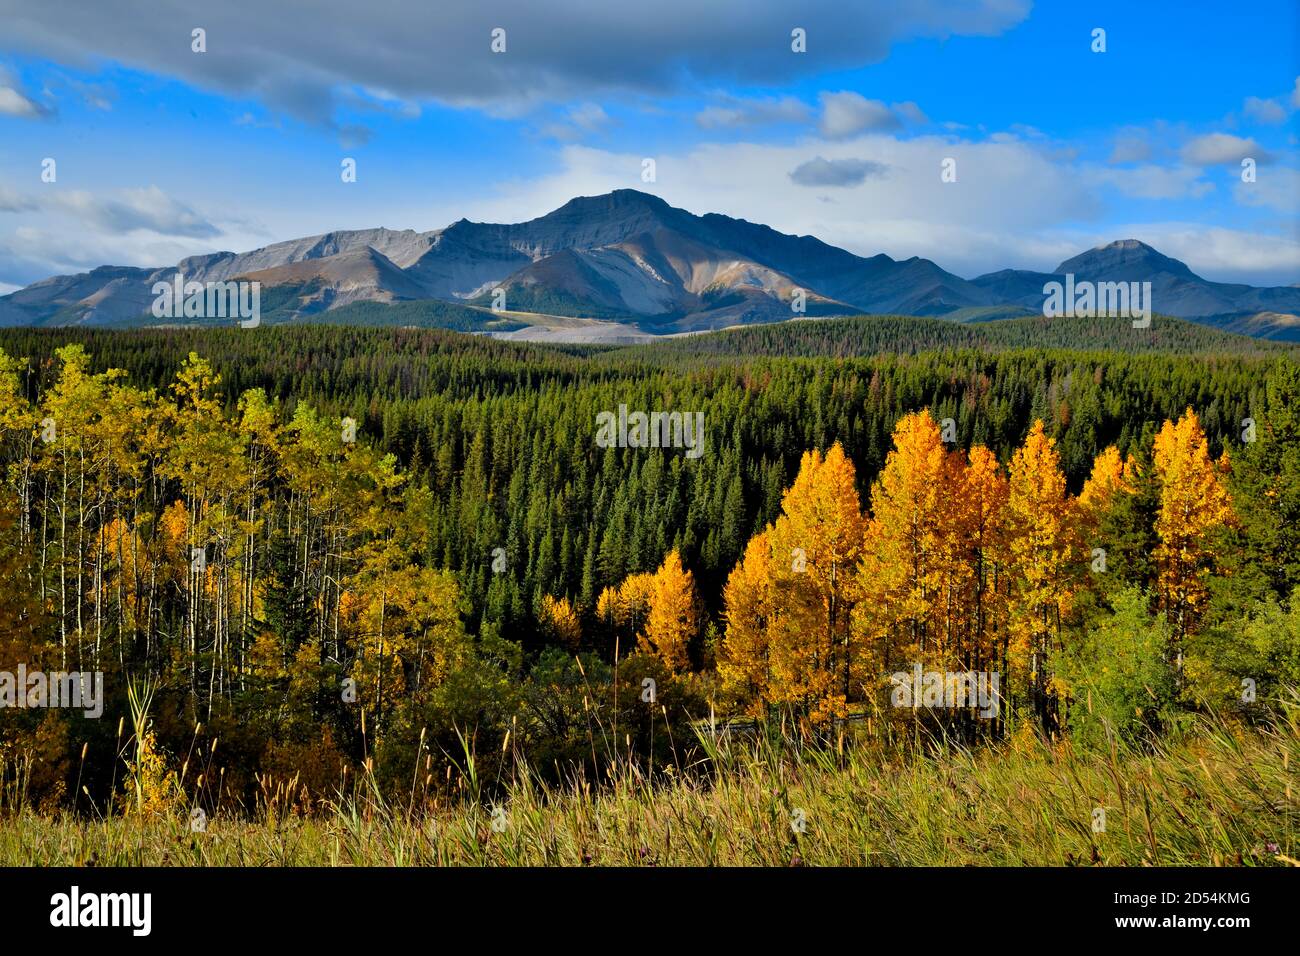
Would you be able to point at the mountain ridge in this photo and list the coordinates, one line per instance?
(631, 257)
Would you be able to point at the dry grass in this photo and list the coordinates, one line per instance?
(1225, 796)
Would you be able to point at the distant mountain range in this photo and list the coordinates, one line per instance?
(629, 259)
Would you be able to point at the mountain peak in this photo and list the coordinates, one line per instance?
(629, 256)
(630, 196)
(1124, 259)
(591, 221)
(1126, 244)
(617, 201)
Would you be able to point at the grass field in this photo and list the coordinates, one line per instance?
(1225, 795)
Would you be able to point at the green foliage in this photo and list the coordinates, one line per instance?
(374, 561)
(1119, 675)
(1262, 647)
(1265, 552)
(870, 334)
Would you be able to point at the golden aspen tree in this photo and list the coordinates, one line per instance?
(902, 573)
(206, 462)
(18, 436)
(982, 498)
(624, 608)
(750, 612)
(1194, 501)
(1042, 556)
(15, 410)
(258, 421)
(406, 633)
(19, 425)
(627, 604)
(674, 616)
(70, 411)
(1111, 475)
(560, 620)
(816, 545)
(128, 428)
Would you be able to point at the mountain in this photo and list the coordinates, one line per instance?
(361, 274)
(94, 298)
(1175, 290)
(629, 259)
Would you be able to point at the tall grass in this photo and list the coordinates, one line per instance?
(1225, 795)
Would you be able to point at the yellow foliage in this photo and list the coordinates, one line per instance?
(673, 618)
(750, 611)
(625, 607)
(1194, 501)
(150, 787)
(1111, 475)
(1042, 546)
(803, 655)
(560, 618)
(909, 571)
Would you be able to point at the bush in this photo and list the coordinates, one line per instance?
(1118, 675)
(1262, 647)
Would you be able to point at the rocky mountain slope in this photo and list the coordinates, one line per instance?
(630, 258)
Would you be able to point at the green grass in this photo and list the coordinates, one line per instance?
(1224, 796)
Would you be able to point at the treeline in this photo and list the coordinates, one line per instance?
(307, 524)
(868, 335)
(501, 435)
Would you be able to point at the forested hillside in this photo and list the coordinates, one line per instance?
(868, 334)
(287, 528)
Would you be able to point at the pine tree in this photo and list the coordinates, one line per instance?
(1266, 485)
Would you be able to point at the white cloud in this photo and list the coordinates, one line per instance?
(1154, 182)
(30, 253)
(1130, 146)
(734, 112)
(419, 51)
(148, 209)
(1007, 196)
(56, 231)
(581, 120)
(1269, 112)
(849, 114)
(11, 201)
(1276, 188)
(1222, 149)
(14, 103)
(1295, 94)
(909, 112)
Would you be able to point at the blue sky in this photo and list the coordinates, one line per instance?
(163, 152)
